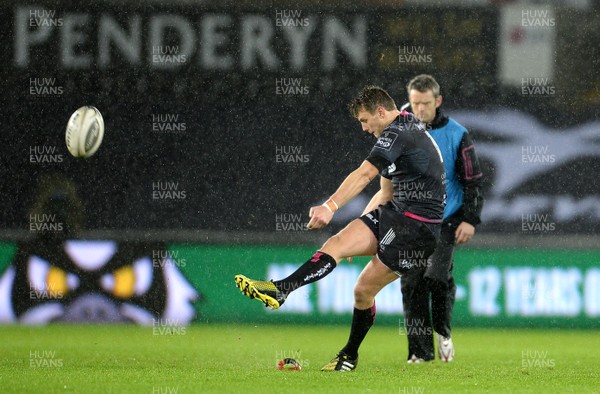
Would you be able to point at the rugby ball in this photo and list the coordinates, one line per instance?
(288, 364)
(85, 131)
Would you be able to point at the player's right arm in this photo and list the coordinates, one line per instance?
(385, 194)
(354, 183)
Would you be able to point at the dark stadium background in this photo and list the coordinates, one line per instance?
(225, 159)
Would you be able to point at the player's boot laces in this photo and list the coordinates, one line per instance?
(342, 362)
(264, 291)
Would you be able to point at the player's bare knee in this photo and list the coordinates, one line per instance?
(333, 247)
(363, 295)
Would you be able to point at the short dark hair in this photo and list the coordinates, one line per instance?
(422, 83)
(369, 98)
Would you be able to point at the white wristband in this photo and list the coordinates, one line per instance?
(333, 208)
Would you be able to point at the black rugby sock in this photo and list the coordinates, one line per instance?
(362, 320)
(318, 267)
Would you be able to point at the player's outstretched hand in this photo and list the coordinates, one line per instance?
(320, 216)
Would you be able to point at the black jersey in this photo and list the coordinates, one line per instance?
(408, 155)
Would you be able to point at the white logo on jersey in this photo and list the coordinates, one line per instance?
(386, 141)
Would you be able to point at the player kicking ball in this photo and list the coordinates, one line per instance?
(399, 223)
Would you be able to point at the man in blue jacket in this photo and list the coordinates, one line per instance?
(461, 215)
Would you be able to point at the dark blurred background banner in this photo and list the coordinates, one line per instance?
(229, 119)
(172, 285)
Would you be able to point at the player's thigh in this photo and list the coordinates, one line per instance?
(356, 239)
(374, 277)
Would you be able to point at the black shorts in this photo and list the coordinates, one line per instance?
(404, 243)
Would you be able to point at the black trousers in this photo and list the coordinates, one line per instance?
(434, 279)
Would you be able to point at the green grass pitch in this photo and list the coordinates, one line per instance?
(242, 358)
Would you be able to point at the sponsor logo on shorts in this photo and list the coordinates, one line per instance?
(372, 218)
(405, 264)
(413, 258)
(388, 237)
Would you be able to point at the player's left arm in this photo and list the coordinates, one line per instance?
(354, 183)
(469, 175)
(385, 194)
